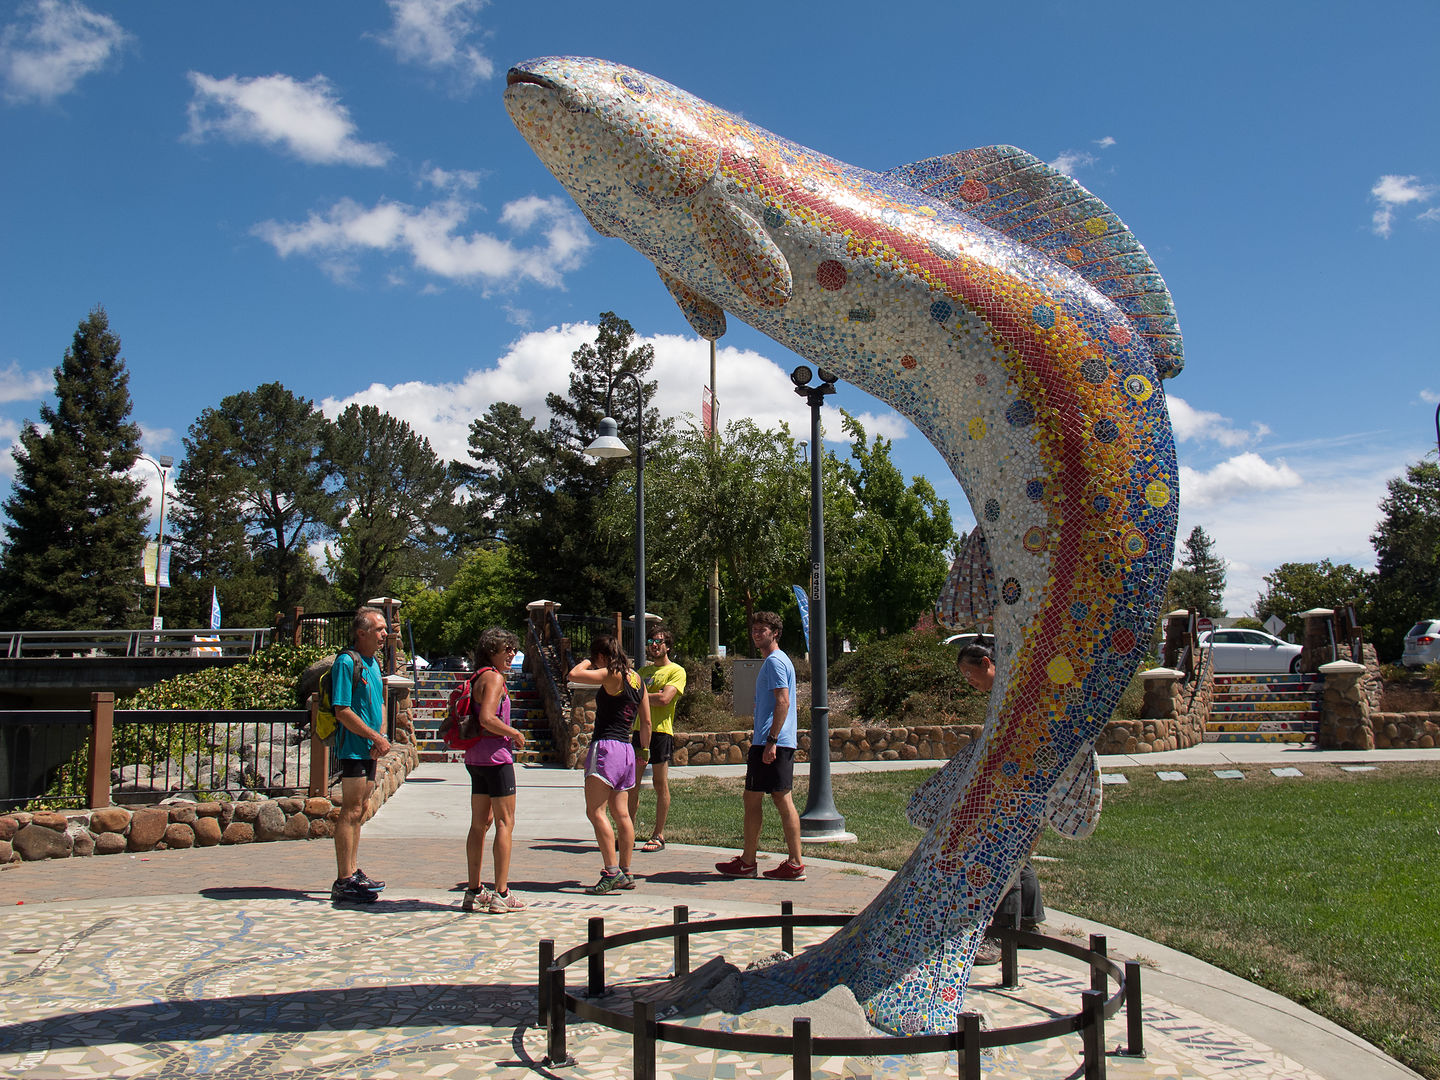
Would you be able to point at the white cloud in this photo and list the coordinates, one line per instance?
(10, 437)
(431, 238)
(749, 385)
(304, 118)
(1192, 424)
(1070, 160)
(436, 34)
(452, 181)
(1430, 397)
(58, 44)
(1395, 191)
(1240, 475)
(1105, 143)
(18, 385)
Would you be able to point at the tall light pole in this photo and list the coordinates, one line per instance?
(820, 821)
(609, 445)
(162, 465)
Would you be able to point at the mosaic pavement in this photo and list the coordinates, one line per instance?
(268, 983)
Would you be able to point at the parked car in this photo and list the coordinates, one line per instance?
(961, 640)
(1249, 652)
(451, 663)
(1422, 644)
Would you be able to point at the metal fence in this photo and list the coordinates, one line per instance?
(46, 644)
(582, 630)
(47, 756)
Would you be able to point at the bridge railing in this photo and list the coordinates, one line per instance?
(84, 757)
(49, 644)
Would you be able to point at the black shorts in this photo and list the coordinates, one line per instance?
(774, 779)
(356, 766)
(496, 781)
(662, 746)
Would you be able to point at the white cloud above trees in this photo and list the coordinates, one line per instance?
(51, 46)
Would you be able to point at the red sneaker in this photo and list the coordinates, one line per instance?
(787, 871)
(737, 867)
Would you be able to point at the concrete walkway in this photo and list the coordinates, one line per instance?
(231, 961)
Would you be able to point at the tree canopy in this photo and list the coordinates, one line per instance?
(1198, 585)
(1294, 587)
(1407, 557)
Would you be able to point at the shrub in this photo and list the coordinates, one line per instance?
(908, 679)
(266, 680)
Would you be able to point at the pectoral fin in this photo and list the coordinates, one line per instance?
(933, 796)
(743, 251)
(705, 317)
(1074, 803)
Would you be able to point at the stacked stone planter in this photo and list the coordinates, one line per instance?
(63, 834)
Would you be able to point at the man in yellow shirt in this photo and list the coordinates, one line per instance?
(664, 682)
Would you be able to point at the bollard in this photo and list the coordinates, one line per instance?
(1009, 963)
(1135, 1027)
(547, 960)
(970, 1046)
(555, 1053)
(787, 926)
(1092, 1033)
(682, 940)
(596, 986)
(801, 1048)
(644, 1041)
(1097, 970)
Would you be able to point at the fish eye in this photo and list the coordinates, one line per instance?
(631, 84)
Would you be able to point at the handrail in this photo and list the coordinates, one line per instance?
(232, 641)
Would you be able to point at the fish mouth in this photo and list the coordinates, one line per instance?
(519, 76)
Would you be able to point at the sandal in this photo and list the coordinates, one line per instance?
(655, 843)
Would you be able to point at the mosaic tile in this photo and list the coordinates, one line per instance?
(1016, 321)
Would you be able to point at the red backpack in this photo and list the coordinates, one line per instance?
(461, 728)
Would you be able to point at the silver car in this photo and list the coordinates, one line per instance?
(1422, 644)
(1250, 652)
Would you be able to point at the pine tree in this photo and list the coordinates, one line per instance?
(77, 522)
(1198, 585)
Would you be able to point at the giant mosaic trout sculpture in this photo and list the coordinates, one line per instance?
(1012, 317)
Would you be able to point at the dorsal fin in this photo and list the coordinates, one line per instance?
(1019, 195)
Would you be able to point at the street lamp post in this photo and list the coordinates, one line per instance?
(820, 821)
(162, 465)
(609, 445)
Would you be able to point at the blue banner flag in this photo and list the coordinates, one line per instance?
(804, 602)
(214, 609)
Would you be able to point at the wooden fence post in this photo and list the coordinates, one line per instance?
(102, 733)
(319, 755)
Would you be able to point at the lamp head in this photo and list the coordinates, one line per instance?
(607, 444)
(800, 376)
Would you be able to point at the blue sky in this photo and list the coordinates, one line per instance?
(330, 195)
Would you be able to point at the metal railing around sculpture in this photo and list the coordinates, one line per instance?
(967, 1042)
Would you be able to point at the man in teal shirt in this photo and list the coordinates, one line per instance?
(362, 742)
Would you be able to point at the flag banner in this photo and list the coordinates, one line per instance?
(709, 411)
(804, 602)
(147, 563)
(214, 609)
(165, 567)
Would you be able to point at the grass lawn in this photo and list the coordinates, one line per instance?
(1324, 888)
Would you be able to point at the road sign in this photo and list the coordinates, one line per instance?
(1275, 625)
(1204, 626)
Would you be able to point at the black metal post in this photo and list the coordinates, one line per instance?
(970, 1048)
(801, 1048)
(596, 985)
(1097, 970)
(643, 1043)
(787, 926)
(1092, 1033)
(820, 818)
(1009, 963)
(547, 960)
(682, 940)
(555, 1053)
(1134, 1017)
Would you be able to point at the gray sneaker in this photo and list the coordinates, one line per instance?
(350, 891)
(609, 883)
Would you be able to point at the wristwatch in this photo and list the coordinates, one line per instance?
(771, 741)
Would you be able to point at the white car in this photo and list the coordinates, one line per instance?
(1422, 644)
(1248, 652)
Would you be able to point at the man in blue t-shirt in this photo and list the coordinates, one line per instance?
(362, 741)
(770, 767)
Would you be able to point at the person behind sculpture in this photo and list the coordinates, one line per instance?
(620, 703)
(770, 767)
(977, 666)
(491, 766)
(362, 741)
(664, 683)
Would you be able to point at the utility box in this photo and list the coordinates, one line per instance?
(744, 676)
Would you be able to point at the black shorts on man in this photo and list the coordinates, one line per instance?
(662, 746)
(355, 766)
(496, 781)
(774, 779)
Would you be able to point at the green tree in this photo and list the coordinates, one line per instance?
(1295, 587)
(512, 475)
(211, 545)
(77, 522)
(1407, 557)
(276, 444)
(397, 496)
(485, 592)
(892, 567)
(1198, 585)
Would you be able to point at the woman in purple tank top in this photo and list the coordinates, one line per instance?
(610, 761)
(491, 766)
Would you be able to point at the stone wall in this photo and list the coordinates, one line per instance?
(1405, 731)
(177, 823)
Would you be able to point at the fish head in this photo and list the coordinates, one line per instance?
(640, 158)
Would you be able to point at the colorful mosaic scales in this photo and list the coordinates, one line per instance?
(1014, 319)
